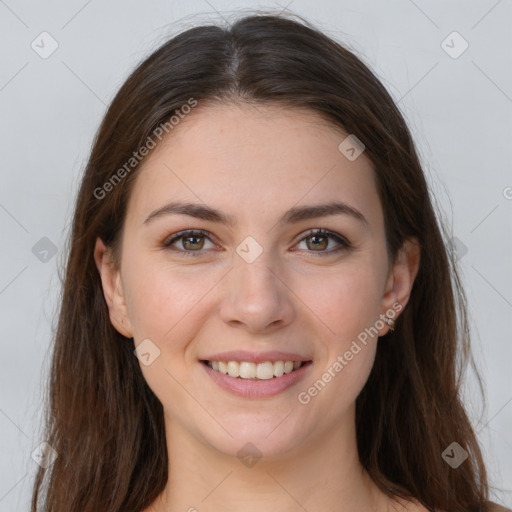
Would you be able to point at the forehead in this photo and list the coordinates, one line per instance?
(245, 159)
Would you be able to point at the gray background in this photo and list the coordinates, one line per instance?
(459, 110)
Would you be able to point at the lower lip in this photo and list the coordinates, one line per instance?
(253, 388)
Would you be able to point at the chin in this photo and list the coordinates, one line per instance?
(269, 439)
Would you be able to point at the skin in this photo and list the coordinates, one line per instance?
(254, 164)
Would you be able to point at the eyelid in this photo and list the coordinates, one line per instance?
(168, 241)
(328, 233)
(343, 242)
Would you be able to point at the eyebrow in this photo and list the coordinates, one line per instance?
(291, 216)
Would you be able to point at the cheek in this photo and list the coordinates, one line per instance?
(166, 307)
(161, 300)
(350, 306)
(164, 299)
(348, 300)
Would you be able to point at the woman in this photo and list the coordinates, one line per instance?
(258, 307)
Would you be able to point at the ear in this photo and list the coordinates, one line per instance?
(400, 280)
(112, 289)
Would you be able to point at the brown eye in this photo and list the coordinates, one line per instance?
(318, 241)
(192, 241)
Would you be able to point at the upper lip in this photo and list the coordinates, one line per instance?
(256, 357)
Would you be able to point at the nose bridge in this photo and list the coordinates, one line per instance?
(256, 266)
(257, 296)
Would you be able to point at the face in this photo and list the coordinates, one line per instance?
(262, 283)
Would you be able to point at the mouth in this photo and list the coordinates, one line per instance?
(257, 379)
(247, 370)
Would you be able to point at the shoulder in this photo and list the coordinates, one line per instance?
(415, 506)
(408, 505)
(494, 507)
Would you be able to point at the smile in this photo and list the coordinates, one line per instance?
(257, 380)
(260, 371)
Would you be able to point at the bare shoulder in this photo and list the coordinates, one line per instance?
(494, 507)
(410, 505)
(415, 506)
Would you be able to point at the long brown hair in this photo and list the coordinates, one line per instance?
(104, 421)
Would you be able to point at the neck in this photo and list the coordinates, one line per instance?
(321, 474)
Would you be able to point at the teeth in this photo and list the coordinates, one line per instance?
(233, 369)
(246, 370)
(278, 369)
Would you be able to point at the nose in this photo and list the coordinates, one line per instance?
(257, 296)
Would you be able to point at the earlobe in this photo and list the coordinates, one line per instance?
(112, 289)
(402, 277)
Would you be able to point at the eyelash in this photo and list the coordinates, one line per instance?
(199, 232)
